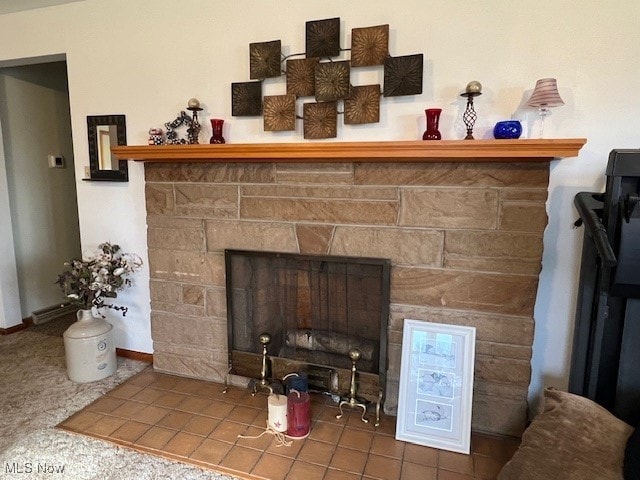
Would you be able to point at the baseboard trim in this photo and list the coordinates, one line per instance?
(14, 329)
(133, 355)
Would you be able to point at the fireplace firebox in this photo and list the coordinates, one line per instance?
(315, 310)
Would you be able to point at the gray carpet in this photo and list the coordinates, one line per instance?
(36, 395)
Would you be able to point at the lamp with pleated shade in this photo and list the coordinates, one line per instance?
(545, 95)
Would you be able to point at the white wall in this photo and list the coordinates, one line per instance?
(147, 59)
(34, 106)
(10, 313)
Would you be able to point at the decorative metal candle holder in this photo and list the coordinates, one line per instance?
(469, 117)
(352, 400)
(265, 371)
(193, 130)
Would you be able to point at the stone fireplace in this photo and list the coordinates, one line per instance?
(464, 239)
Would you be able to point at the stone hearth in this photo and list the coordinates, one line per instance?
(464, 239)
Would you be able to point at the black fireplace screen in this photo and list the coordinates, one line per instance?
(315, 309)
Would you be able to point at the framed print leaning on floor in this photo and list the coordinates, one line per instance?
(436, 385)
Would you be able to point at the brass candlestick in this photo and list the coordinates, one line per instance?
(265, 371)
(353, 401)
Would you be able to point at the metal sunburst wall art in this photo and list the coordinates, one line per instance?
(319, 74)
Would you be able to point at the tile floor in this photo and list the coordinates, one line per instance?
(194, 422)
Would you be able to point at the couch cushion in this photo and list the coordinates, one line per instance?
(574, 438)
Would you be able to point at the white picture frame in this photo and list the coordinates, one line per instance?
(436, 385)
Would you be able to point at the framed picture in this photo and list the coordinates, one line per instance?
(436, 385)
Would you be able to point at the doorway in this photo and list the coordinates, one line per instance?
(35, 123)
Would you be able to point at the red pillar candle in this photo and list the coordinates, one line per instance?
(298, 414)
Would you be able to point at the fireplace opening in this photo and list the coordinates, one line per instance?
(315, 309)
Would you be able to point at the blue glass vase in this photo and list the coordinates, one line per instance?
(507, 129)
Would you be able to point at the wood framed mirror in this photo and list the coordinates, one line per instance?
(104, 131)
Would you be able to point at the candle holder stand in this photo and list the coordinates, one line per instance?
(352, 401)
(265, 372)
(469, 116)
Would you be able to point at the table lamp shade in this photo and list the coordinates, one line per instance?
(545, 94)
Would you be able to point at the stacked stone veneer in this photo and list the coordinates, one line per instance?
(464, 239)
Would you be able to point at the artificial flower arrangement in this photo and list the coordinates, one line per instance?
(88, 282)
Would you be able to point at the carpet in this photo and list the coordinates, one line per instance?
(36, 395)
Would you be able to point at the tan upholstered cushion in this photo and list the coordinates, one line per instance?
(574, 438)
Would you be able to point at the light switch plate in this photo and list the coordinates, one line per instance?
(55, 161)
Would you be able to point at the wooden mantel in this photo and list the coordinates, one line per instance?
(391, 151)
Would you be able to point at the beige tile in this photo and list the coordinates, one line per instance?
(126, 390)
(144, 378)
(383, 468)
(105, 404)
(201, 425)
(319, 453)
(243, 414)
(326, 432)
(306, 471)
(421, 455)
(217, 409)
(240, 458)
(237, 395)
(273, 467)
(387, 446)
(128, 409)
(228, 431)
(292, 451)
(170, 399)
(456, 462)
(328, 414)
(258, 401)
(130, 431)
(211, 451)
(449, 475)
(155, 437)
(148, 395)
(356, 439)
(183, 444)
(333, 474)
(414, 471)
(494, 446)
(175, 419)
(261, 419)
(387, 425)
(348, 460)
(81, 421)
(165, 382)
(194, 404)
(256, 438)
(151, 414)
(106, 426)
(353, 419)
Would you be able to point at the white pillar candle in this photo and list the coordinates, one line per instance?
(277, 412)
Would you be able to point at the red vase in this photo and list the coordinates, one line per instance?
(216, 127)
(433, 119)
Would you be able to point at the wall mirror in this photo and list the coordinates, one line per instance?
(103, 132)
